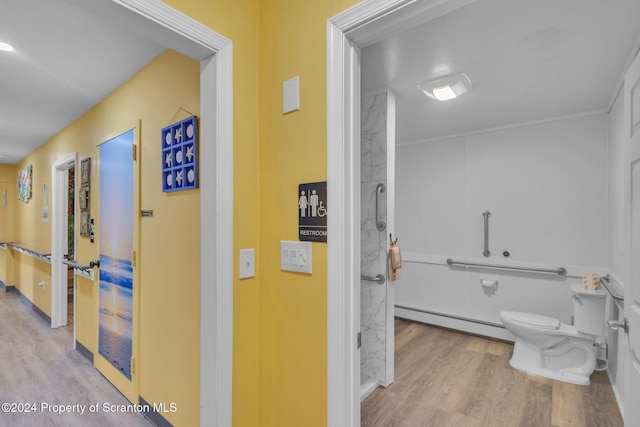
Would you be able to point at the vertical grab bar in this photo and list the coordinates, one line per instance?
(380, 225)
(486, 215)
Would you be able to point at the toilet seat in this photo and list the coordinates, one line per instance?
(533, 320)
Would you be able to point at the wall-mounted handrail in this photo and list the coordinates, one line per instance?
(77, 266)
(378, 279)
(30, 252)
(605, 282)
(486, 251)
(560, 271)
(380, 224)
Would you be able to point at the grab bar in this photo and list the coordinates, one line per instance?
(486, 215)
(378, 279)
(605, 282)
(380, 225)
(77, 266)
(560, 271)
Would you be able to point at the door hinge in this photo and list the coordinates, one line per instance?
(133, 258)
(133, 366)
(359, 339)
(134, 152)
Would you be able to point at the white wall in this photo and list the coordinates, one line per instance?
(546, 188)
(618, 346)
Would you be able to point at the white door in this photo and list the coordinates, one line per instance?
(632, 289)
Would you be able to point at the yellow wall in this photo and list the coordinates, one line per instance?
(169, 357)
(293, 307)
(239, 21)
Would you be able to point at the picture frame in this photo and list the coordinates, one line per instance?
(85, 197)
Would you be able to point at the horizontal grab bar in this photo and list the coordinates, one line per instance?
(605, 282)
(560, 271)
(75, 265)
(30, 252)
(378, 279)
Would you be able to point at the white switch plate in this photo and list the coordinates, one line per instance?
(291, 95)
(295, 256)
(247, 263)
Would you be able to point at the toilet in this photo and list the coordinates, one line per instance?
(546, 347)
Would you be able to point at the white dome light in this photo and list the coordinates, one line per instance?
(446, 88)
(6, 47)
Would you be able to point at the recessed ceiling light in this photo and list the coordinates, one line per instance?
(6, 47)
(446, 88)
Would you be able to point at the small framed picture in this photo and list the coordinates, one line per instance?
(85, 170)
(84, 224)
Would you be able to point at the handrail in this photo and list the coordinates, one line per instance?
(380, 224)
(560, 271)
(605, 282)
(30, 252)
(486, 251)
(77, 266)
(378, 279)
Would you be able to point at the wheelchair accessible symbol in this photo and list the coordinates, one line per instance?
(312, 212)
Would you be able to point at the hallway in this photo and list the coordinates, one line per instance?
(39, 367)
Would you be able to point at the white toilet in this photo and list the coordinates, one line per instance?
(546, 347)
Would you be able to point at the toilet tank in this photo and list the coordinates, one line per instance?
(588, 309)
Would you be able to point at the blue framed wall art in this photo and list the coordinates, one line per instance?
(180, 155)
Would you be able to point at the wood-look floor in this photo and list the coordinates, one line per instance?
(39, 365)
(445, 378)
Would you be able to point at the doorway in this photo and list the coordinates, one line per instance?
(346, 34)
(71, 248)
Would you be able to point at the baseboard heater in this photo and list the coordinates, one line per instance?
(451, 321)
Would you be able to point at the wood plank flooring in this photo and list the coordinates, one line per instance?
(445, 378)
(38, 365)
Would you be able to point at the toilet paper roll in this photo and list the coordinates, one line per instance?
(488, 283)
(591, 282)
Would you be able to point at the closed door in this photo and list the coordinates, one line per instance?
(118, 294)
(632, 289)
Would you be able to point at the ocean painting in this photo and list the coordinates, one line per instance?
(115, 342)
(116, 316)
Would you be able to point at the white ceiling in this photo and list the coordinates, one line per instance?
(66, 60)
(527, 61)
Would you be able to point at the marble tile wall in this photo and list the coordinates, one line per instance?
(373, 299)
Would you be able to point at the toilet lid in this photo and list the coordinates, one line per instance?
(537, 320)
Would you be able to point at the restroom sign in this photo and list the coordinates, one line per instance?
(312, 212)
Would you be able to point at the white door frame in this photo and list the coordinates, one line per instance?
(59, 245)
(366, 23)
(173, 29)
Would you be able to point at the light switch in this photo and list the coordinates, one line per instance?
(295, 256)
(247, 263)
(291, 95)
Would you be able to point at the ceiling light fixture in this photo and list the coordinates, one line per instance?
(6, 47)
(446, 88)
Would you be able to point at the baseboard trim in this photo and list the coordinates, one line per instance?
(154, 416)
(33, 307)
(470, 326)
(84, 351)
(7, 288)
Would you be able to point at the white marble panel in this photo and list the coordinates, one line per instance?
(373, 113)
(373, 298)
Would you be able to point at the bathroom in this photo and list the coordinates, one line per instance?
(523, 170)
